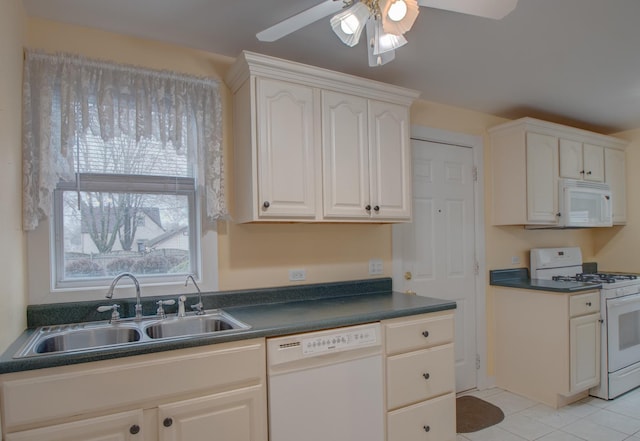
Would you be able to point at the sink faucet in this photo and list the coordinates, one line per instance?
(198, 307)
(135, 282)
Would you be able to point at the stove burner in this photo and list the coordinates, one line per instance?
(595, 278)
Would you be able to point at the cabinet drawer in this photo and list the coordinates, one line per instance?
(417, 376)
(117, 426)
(132, 381)
(433, 420)
(418, 332)
(581, 304)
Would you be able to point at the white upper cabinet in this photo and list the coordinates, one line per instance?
(581, 161)
(313, 145)
(286, 149)
(365, 153)
(390, 161)
(542, 180)
(345, 155)
(529, 156)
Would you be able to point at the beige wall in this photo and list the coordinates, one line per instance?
(12, 258)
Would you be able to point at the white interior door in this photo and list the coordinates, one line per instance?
(437, 250)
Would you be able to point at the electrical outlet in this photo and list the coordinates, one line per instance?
(375, 267)
(296, 275)
(515, 260)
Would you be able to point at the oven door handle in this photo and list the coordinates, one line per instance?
(634, 298)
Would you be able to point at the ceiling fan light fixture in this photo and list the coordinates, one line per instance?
(348, 24)
(397, 10)
(398, 15)
(381, 41)
(376, 58)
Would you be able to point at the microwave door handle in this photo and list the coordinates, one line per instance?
(606, 206)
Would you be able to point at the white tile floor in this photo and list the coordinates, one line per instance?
(590, 419)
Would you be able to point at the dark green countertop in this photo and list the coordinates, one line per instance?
(519, 278)
(270, 312)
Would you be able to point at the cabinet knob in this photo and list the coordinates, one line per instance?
(426, 375)
(376, 208)
(426, 428)
(558, 214)
(582, 172)
(266, 204)
(167, 422)
(368, 208)
(134, 430)
(589, 304)
(425, 334)
(589, 172)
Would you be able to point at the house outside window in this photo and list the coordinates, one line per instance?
(122, 168)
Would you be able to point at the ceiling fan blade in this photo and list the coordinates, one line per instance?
(495, 9)
(298, 21)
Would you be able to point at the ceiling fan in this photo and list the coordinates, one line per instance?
(385, 21)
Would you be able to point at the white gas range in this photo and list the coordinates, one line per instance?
(620, 310)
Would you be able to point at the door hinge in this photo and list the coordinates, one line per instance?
(477, 362)
(474, 172)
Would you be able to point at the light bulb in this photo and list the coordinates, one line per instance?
(349, 24)
(398, 10)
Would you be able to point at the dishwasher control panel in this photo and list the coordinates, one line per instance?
(339, 341)
(365, 338)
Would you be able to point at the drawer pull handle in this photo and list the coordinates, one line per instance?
(134, 430)
(426, 428)
(426, 375)
(167, 422)
(589, 304)
(425, 334)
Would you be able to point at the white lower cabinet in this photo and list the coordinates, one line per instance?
(198, 394)
(547, 343)
(420, 378)
(228, 415)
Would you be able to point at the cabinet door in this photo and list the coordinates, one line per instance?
(584, 335)
(593, 162)
(237, 415)
(345, 156)
(389, 161)
(615, 176)
(125, 426)
(286, 148)
(542, 178)
(571, 159)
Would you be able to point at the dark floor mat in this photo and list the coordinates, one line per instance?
(473, 414)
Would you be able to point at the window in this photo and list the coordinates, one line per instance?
(120, 160)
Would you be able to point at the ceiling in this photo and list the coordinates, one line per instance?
(569, 61)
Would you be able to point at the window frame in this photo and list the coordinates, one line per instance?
(118, 183)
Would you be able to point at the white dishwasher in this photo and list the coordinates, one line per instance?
(327, 385)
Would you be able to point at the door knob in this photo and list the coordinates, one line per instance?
(408, 275)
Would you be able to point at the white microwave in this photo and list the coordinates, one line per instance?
(585, 204)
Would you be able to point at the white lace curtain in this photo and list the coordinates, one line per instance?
(65, 96)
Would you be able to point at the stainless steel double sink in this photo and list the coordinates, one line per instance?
(90, 336)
